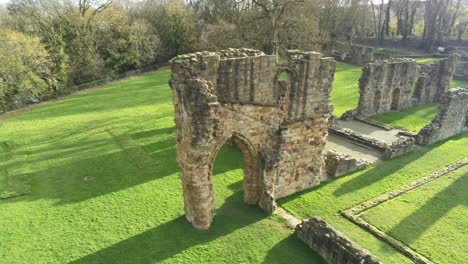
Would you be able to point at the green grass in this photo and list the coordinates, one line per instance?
(345, 91)
(401, 51)
(457, 83)
(105, 187)
(426, 60)
(412, 119)
(431, 219)
(329, 199)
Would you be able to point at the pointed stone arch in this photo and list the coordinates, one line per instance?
(252, 176)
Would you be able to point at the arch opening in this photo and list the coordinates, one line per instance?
(251, 173)
(395, 100)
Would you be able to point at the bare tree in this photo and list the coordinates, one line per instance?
(381, 14)
(274, 11)
(405, 11)
(439, 21)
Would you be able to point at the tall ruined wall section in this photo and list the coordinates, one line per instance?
(302, 136)
(451, 118)
(280, 126)
(386, 85)
(435, 79)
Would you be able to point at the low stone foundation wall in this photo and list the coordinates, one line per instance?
(339, 164)
(358, 139)
(354, 54)
(374, 123)
(331, 244)
(403, 145)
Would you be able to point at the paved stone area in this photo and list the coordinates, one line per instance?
(381, 134)
(345, 147)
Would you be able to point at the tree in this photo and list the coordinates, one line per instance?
(381, 18)
(25, 71)
(439, 20)
(405, 11)
(176, 28)
(274, 11)
(337, 18)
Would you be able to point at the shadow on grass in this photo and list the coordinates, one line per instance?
(111, 163)
(374, 174)
(377, 173)
(281, 252)
(386, 168)
(173, 237)
(413, 226)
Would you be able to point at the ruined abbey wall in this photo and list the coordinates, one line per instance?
(461, 72)
(451, 118)
(386, 85)
(361, 55)
(280, 126)
(435, 79)
(354, 54)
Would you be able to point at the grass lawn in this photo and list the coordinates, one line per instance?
(401, 51)
(457, 83)
(412, 119)
(426, 60)
(345, 91)
(431, 219)
(329, 199)
(104, 186)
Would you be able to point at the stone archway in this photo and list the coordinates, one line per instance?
(395, 104)
(252, 180)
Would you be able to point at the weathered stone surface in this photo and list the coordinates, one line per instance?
(280, 126)
(386, 86)
(451, 118)
(339, 164)
(354, 54)
(361, 55)
(331, 244)
(435, 79)
(461, 71)
(402, 145)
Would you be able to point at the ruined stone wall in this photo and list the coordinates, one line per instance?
(434, 80)
(451, 118)
(461, 71)
(361, 55)
(354, 54)
(331, 244)
(339, 164)
(386, 86)
(280, 126)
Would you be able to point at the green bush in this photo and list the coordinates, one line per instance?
(25, 71)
